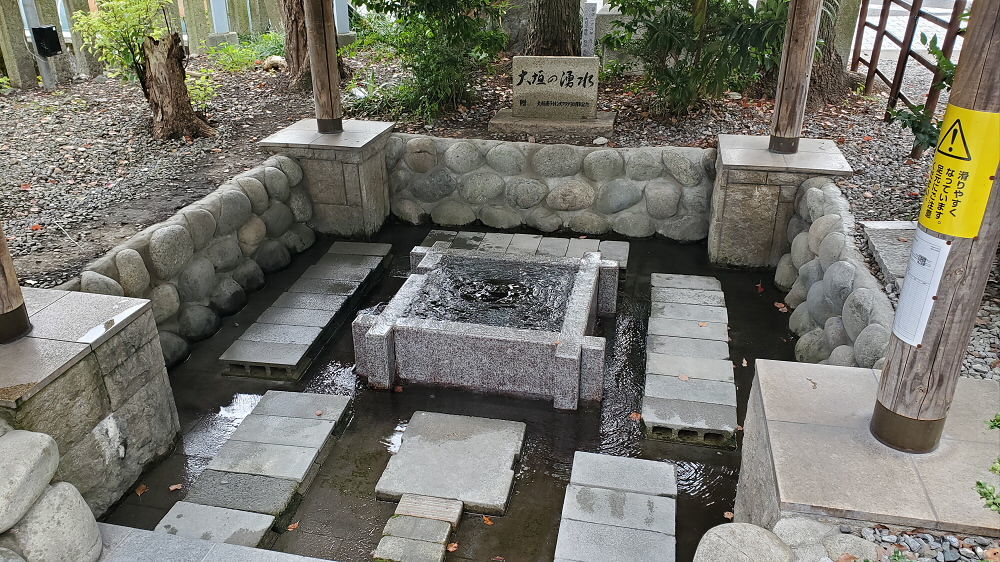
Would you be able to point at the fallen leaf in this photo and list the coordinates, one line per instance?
(452, 546)
(744, 361)
(739, 428)
(683, 378)
(993, 554)
(760, 288)
(398, 388)
(869, 137)
(498, 559)
(175, 487)
(702, 324)
(779, 305)
(635, 416)
(141, 489)
(729, 515)
(36, 227)
(487, 520)
(846, 557)
(868, 194)
(293, 526)
(903, 239)
(319, 412)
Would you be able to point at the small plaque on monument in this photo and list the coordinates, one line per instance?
(555, 87)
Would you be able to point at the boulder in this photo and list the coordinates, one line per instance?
(618, 195)
(8, 555)
(277, 219)
(662, 197)
(796, 296)
(525, 193)
(800, 250)
(556, 160)
(800, 531)
(201, 225)
(462, 157)
(255, 192)
(393, 151)
(277, 184)
(741, 541)
(28, 463)
(603, 165)
(197, 280)
(821, 306)
(785, 273)
(588, 223)
(838, 282)
(643, 165)
(434, 186)
(507, 159)
(166, 301)
(298, 239)
(288, 166)
(224, 252)
(800, 321)
(252, 233)
(196, 322)
(271, 256)
(842, 356)
(811, 347)
(93, 282)
(300, 204)
(479, 187)
(175, 348)
(408, 210)
(839, 544)
(543, 219)
(170, 248)
(863, 307)
(228, 297)
(249, 275)
(796, 224)
(831, 249)
(59, 526)
(696, 199)
(684, 228)
(132, 273)
(836, 335)
(420, 154)
(570, 195)
(871, 344)
(815, 202)
(633, 225)
(821, 227)
(236, 210)
(453, 213)
(688, 173)
(399, 180)
(499, 216)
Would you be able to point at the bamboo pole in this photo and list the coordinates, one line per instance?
(793, 75)
(321, 38)
(959, 227)
(13, 312)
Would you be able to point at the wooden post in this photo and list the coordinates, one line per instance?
(793, 76)
(13, 313)
(959, 228)
(321, 37)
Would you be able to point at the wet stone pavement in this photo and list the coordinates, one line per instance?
(339, 517)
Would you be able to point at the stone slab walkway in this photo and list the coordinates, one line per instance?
(286, 336)
(889, 242)
(618, 508)
(419, 530)
(690, 393)
(534, 244)
(125, 544)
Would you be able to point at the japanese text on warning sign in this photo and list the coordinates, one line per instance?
(965, 163)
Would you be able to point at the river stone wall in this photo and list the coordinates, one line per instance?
(199, 265)
(842, 315)
(636, 192)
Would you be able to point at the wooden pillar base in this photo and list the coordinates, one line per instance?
(330, 126)
(905, 434)
(14, 324)
(783, 145)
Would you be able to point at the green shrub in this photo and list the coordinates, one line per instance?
(5, 85)
(986, 491)
(201, 90)
(233, 58)
(268, 44)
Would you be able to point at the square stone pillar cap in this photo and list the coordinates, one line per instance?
(357, 135)
(815, 156)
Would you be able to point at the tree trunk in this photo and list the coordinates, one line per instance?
(830, 83)
(554, 28)
(173, 115)
(296, 51)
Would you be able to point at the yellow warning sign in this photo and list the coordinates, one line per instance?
(961, 178)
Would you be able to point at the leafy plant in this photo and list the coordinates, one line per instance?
(5, 85)
(987, 492)
(201, 90)
(233, 58)
(268, 44)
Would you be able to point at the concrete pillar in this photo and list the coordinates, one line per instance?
(86, 62)
(220, 16)
(341, 16)
(239, 16)
(273, 11)
(259, 21)
(18, 60)
(198, 16)
(48, 14)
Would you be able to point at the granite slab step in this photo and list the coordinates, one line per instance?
(266, 360)
(718, 331)
(418, 528)
(297, 317)
(336, 273)
(308, 405)
(398, 549)
(281, 334)
(615, 250)
(441, 509)
(687, 347)
(496, 242)
(244, 492)
(550, 246)
(265, 459)
(591, 542)
(579, 246)
(676, 281)
(695, 312)
(641, 476)
(281, 430)
(324, 287)
(468, 240)
(438, 235)
(360, 248)
(311, 301)
(688, 296)
(686, 421)
(524, 244)
(619, 508)
(126, 544)
(351, 260)
(216, 524)
(693, 390)
(692, 367)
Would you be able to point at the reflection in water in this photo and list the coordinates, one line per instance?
(208, 436)
(623, 379)
(394, 441)
(335, 378)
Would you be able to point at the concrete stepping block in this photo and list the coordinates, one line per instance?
(278, 333)
(615, 250)
(324, 287)
(216, 524)
(426, 507)
(361, 248)
(682, 420)
(336, 273)
(265, 459)
(591, 542)
(281, 430)
(468, 240)
(351, 260)
(125, 544)
(524, 244)
(297, 317)
(677, 281)
(245, 492)
(398, 549)
(496, 242)
(691, 367)
(438, 235)
(717, 331)
(311, 301)
(688, 296)
(286, 359)
(620, 509)
(694, 390)
(641, 476)
(579, 246)
(418, 528)
(553, 247)
(329, 407)
(465, 458)
(688, 347)
(696, 312)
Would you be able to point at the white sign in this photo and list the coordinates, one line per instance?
(923, 275)
(587, 37)
(555, 87)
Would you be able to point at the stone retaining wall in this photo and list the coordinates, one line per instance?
(635, 192)
(199, 265)
(842, 314)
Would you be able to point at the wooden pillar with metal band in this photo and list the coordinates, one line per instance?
(321, 37)
(13, 312)
(953, 251)
(793, 76)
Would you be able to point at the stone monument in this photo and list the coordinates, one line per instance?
(588, 37)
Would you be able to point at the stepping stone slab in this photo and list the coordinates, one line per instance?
(245, 492)
(265, 354)
(438, 235)
(360, 248)
(692, 367)
(281, 430)
(496, 242)
(398, 549)
(265, 459)
(688, 347)
(277, 333)
(124, 544)
(689, 312)
(524, 244)
(216, 524)
(688, 296)
(652, 478)
(579, 246)
(456, 457)
(311, 301)
(336, 273)
(694, 390)
(615, 250)
(553, 247)
(329, 407)
(591, 542)
(426, 507)
(324, 287)
(296, 317)
(717, 331)
(351, 260)
(685, 281)
(620, 509)
(683, 414)
(417, 528)
(468, 240)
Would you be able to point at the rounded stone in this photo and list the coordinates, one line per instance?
(603, 165)
(434, 186)
(236, 210)
(836, 335)
(643, 165)
(688, 173)
(170, 248)
(815, 204)
(224, 253)
(863, 307)
(570, 195)
(301, 205)
(175, 348)
(785, 273)
(697, 199)
(820, 306)
(298, 239)
(399, 180)
(557, 160)
(276, 183)
(880, 364)
(796, 296)
(839, 544)
(196, 281)
(228, 296)
(93, 282)
(871, 344)
(506, 158)
(479, 187)
(288, 166)
(28, 463)
(256, 192)
(277, 219)
(132, 273)
(838, 282)
(810, 273)
(59, 526)
(708, 159)
(633, 225)
(801, 531)
(544, 219)
(662, 197)
(741, 541)
(201, 225)
(249, 275)
(800, 250)
(588, 223)
(832, 248)
(498, 216)
(253, 231)
(196, 322)
(800, 321)
(842, 356)
(462, 157)
(618, 195)
(525, 193)
(166, 301)
(796, 224)
(821, 227)
(271, 256)
(811, 347)
(420, 154)
(8, 555)
(684, 228)
(453, 213)
(408, 210)
(393, 151)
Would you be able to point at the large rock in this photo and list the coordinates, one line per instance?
(435, 185)
(796, 224)
(175, 348)
(93, 282)
(132, 273)
(682, 168)
(399, 180)
(278, 218)
(498, 216)
(821, 306)
(588, 223)
(556, 160)
(785, 273)
(618, 195)
(228, 297)
(697, 199)
(839, 544)
(287, 165)
(741, 541)
(800, 321)
(166, 301)
(842, 356)
(838, 282)
(643, 165)
(815, 204)
(408, 210)
(224, 252)
(236, 209)
(420, 154)
(8, 555)
(544, 219)
(525, 193)
(272, 255)
(506, 158)
(196, 322)
(836, 335)
(301, 205)
(256, 192)
(298, 239)
(59, 526)
(28, 463)
(821, 227)
(603, 165)
(201, 225)
(811, 347)
(196, 281)
(662, 197)
(570, 195)
(800, 250)
(684, 228)
(633, 225)
(249, 275)
(393, 151)
(170, 248)
(276, 183)
(462, 157)
(832, 248)
(479, 187)
(863, 307)
(453, 213)
(871, 344)
(252, 234)
(799, 531)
